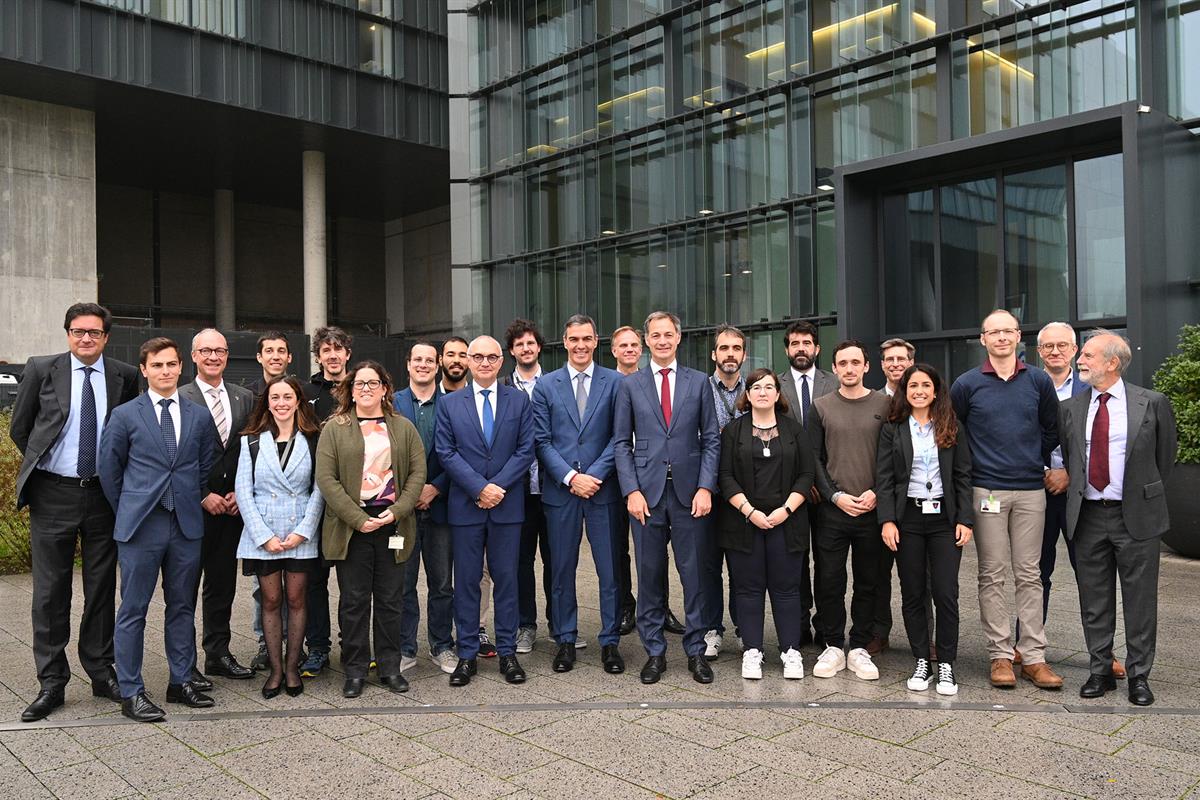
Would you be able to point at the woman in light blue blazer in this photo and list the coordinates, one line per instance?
(281, 513)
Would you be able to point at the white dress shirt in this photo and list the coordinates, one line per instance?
(222, 398)
(478, 390)
(1118, 430)
(1064, 392)
(587, 385)
(798, 379)
(174, 408)
(658, 379)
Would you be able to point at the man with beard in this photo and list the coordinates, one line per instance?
(453, 362)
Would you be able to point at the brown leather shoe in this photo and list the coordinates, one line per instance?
(1016, 657)
(877, 645)
(1118, 670)
(1002, 674)
(1041, 676)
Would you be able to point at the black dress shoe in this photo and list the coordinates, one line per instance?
(610, 657)
(463, 672)
(1139, 691)
(700, 669)
(397, 683)
(564, 659)
(199, 682)
(270, 692)
(294, 691)
(107, 687)
(628, 622)
(653, 669)
(227, 666)
(510, 668)
(46, 701)
(1097, 685)
(352, 687)
(139, 708)
(189, 695)
(672, 625)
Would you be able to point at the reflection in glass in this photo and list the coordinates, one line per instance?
(374, 47)
(847, 30)
(968, 251)
(1100, 237)
(1035, 245)
(1183, 62)
(910, 303)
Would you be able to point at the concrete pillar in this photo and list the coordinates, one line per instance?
(223, 267)
(313, 220)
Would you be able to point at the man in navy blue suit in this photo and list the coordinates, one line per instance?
(573, 435)
(667, 449)
(484, 439)
(155, 456)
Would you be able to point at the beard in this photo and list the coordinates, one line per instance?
(801, 362)
(729, 367)
(455, 372)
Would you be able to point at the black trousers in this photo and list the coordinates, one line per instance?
(369, 576)
(218, 562)
(928, 559)
(59, 513)
(534, 537)
(768, 567)
(838, 534)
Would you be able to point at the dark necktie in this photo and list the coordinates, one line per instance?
(168, 433)
(1098, 457)
(86, 460)
(805, 400)
(666, 395)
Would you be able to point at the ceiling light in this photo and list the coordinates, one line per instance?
(607, 233)
(706, 212)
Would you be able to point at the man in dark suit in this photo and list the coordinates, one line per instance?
(667, 449)
(573, 435)
(155, 458)
(1118, 443)
(229, 405)
(484, 439)
(63, 403)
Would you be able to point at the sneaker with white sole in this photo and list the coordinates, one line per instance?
(525, 639)
(752, 664)
(446, 661)
(919, 681)
(793, 664)
(945, 682)
(860, 663)
(831, 661)
(712, 645)
(407, 662)
(580, 643)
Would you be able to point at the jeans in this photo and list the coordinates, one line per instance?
(434, 547)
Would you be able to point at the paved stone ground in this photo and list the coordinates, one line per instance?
(588, 734)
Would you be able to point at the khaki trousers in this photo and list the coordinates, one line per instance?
(1011, 539)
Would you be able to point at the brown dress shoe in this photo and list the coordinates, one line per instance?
(1016, 657)
(877, 645)
(1118, 670)
(1002, 674)
(1041, 676)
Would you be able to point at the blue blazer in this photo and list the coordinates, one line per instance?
(135, 469)
(564, 442)
(472, 464)
(276, 501)
(402, 401)
(644, 445)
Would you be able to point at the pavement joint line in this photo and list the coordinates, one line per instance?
(620, 705)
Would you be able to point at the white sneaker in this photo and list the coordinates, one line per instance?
(446, 661)
(831, 661)
(945, 683)
(580, 643)
(752, 664)
(860, 663)
(407, 662)
(525, 639)
(919, 681)
(793, 665)
(712, 645)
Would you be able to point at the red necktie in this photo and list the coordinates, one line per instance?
(1098, 458)
(666, 395)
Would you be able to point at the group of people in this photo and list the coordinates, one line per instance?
(472, 475)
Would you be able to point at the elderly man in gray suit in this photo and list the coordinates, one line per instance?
(1118, 443)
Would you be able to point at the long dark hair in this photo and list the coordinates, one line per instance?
(344, 391)
(261, 418)
(941, 413)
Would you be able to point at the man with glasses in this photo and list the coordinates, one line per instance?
(1010, 413)
(896, 355)
(63, 403)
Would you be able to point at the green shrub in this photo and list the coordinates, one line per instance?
(1179, 379)
(15, 553)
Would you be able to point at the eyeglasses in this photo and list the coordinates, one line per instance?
(1050, 347)
(213, 351)
(1002, 332)
(764, 387)
(488, 358)
(370, 385)
(91, 333)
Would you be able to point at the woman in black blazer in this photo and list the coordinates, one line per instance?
(923, 491)
(766, 472)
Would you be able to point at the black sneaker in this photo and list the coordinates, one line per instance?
(919, 681)
(486, 648)
(261, 660)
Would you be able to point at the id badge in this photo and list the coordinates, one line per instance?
(395, 542)
(990, 505)
(931, 506)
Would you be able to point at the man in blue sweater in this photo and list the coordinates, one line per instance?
(1010, 413)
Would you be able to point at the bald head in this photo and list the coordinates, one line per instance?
(484, 357)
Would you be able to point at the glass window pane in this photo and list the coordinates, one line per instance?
(1100, 237)
(1035, 245)
(968, 249)
(908, 245)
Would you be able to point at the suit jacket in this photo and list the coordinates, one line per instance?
(135, 468)
(564, 442)
(893, 468)
(823, 383)
(472, 464)
(402, 401)
(691, 445)
(278, 500)
(43, 403)
(223, 477)
(1149, 458)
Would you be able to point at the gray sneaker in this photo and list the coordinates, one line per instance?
(446, 661)
(407, 662)
(525, 639)
(261, 660)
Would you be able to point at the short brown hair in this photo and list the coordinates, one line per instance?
(624, 328)
(743, 401)
(890, 343)
(155, 346)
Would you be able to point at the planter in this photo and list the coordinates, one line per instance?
(1183, 504)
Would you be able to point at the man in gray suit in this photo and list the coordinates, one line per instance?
(1118, 444)
(801, 384)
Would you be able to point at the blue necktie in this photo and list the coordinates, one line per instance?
(805, 399)
(168, 433)
(86, 459)
(488, 420)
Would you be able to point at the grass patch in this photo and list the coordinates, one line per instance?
(15, 554)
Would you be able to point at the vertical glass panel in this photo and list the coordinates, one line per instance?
(908, 275)
(827, 271)
(968, 250)
(1183, 61)
(1035, 245)
(1100, 237)
(374, 47)
(801, 254)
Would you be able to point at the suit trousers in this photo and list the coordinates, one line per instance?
(501, 546)
(1104, 551)
(714, 562)
(566, 524)
(1011, 539)
(927, 559)
(58, 515)
(768, 567)
(371, 601)
(317, 631)
(837, 535)
(218, 564)
(534, 537)
(158, 546)
(625, 570)
(434, 548)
